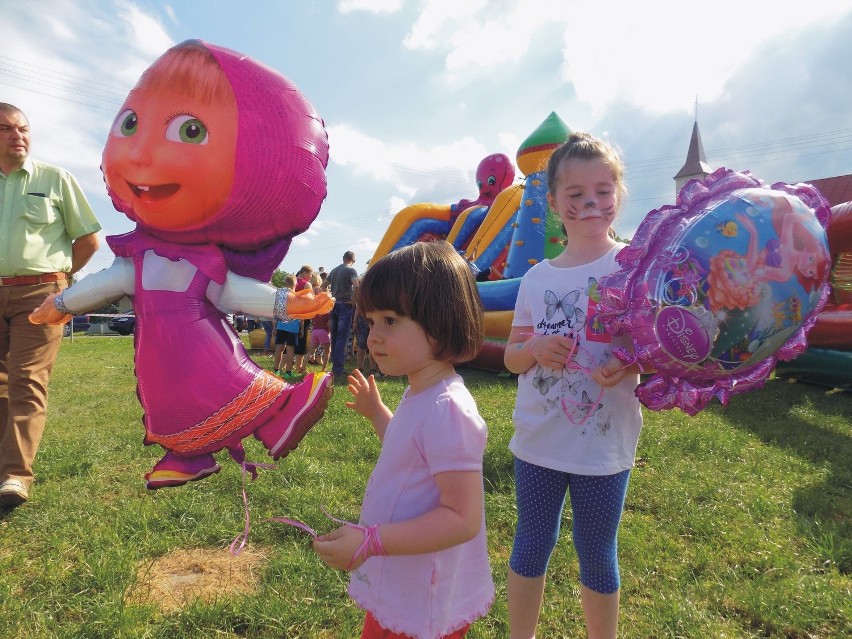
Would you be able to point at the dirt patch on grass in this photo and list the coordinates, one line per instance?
(185, 575)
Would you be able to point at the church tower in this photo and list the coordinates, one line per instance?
(696, 166)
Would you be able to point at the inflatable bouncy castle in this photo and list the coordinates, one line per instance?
(828, 360)
(501, 234)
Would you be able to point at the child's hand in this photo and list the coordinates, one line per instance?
(551, 351)
(47, 313)
(305, 304)
(366, 398)
(610, 373)
(337, 548)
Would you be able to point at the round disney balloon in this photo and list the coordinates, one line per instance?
(717, 288)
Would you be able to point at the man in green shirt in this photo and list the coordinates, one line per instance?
(47, 232)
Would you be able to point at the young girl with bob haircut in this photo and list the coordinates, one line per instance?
(418, 557)
(577, 418)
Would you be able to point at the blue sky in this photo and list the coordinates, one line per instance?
(415, 93)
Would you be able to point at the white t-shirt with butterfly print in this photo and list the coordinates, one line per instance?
(563, 419)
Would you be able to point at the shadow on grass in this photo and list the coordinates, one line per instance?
(815, 426)
(6, 511)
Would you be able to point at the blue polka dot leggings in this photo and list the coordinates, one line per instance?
(596, 506)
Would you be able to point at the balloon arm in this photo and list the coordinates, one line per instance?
(97, 289)
(305, 305)
(241, 294)
(87, 294)
(48, 313)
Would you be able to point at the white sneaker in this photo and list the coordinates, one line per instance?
(13, 493)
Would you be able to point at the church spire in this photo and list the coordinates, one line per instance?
(696, 166)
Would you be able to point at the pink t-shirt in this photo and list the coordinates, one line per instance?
(428, 595)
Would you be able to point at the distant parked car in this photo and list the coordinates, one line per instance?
(78, 323)
(123, 324)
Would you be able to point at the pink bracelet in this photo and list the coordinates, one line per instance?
(370, 547)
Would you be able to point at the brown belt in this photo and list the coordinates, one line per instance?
(29, 280)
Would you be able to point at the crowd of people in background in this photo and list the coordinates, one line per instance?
(298, 344)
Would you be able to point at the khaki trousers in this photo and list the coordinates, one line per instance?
(27, 353)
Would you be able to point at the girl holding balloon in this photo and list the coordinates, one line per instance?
(577, 420)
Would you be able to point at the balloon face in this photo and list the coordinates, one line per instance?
(237, 153)
(169, 157)
(713, 291)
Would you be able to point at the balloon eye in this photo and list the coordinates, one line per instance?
(187, 129)
(126, 124)
(479, 184)
(492, 180)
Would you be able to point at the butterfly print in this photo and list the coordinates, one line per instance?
(543, 383)
(579, 412)
(564, 304)
(570, 387)
(604, 425)
(552, 404)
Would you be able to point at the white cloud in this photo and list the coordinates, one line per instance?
(658, 54)
(395, 205)
(441, 19)
(69, 90)
(478, 37)
(681, 52)
(369, 6)
(147, 34)
(409, 167)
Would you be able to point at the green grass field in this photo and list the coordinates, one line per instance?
(738, 522)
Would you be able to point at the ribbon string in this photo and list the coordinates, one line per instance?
(571, 363)
(241, 540)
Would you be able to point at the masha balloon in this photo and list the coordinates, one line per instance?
(220, 162)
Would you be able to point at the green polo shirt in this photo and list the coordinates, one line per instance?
(42, 211)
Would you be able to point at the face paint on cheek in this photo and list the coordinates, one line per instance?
(572, 212)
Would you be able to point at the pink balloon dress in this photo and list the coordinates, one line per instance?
(199, 389)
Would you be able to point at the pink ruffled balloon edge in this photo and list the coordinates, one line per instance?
(661, 391)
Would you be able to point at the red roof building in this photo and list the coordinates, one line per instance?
(836, 190)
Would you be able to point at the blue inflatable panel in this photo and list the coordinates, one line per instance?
(823, 366)
(499, 295)
(419, 228)
(470, 226)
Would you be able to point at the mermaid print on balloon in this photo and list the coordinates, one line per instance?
(740, 286)
(716, 289)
